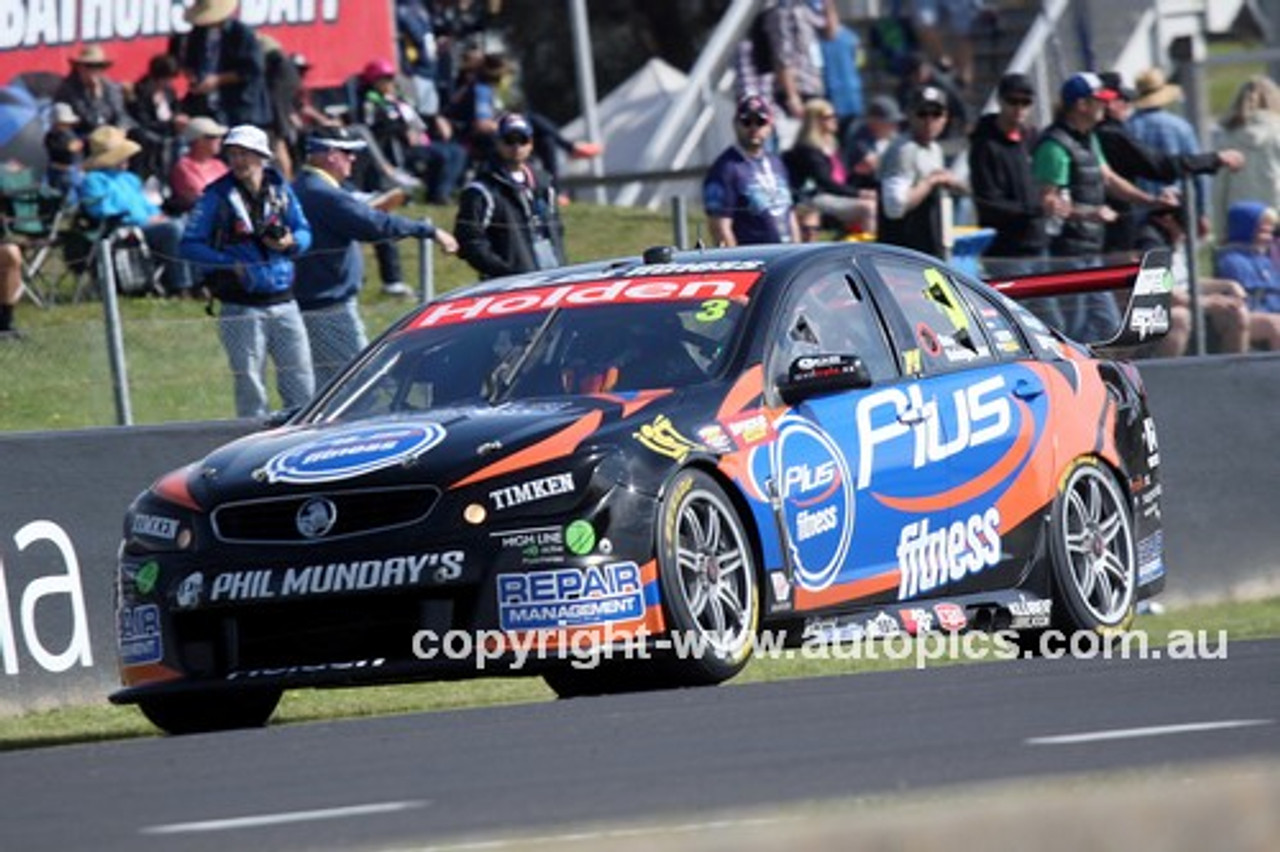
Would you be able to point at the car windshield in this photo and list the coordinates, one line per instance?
(564, 351)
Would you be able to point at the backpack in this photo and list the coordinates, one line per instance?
(137, 273)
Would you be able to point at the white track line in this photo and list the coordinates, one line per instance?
(261, 820)
(1157, 731)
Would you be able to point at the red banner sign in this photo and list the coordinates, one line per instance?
(337, 36)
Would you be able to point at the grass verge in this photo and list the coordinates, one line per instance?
(1240, 621)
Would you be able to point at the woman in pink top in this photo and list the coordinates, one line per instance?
(198, 168)
(818, 175)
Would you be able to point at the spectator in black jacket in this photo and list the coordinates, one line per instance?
(1005, 193)
(508, 218)
(818, 174)
(1133, 160)
(97, 99)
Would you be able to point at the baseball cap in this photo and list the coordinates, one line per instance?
(203, 125)
(1016, 84)
(514, 122)
(753, 106)
(884, 108)
(333, 139)
(1114, 81)
(1086, 84)
(250, 138)
(928, 96)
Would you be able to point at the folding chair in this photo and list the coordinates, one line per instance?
(33, 217)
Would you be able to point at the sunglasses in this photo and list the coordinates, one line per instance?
(514, 139)
(930, 113)
(1019, 102)
(753, 121)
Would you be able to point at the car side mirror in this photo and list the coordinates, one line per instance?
(816, 375)
(277, 419)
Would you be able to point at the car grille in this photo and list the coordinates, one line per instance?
(275, 520)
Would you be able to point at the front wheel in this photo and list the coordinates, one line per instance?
(199, 712)
(708, 575)
(1093, 553)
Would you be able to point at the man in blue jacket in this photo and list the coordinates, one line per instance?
(244, 233)
(331, 273)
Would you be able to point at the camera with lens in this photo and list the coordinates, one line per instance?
(274, 231)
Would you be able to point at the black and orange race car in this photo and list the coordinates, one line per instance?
(845, 440)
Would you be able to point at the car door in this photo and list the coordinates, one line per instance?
(832, 450)
(983, 408)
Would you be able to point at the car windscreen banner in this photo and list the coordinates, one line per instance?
(337, 36)
(712, 289)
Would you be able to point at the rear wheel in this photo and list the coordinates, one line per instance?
(1094, 558)
(197, 712)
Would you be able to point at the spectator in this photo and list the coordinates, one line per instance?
(65, 150)
(1005, 192)
(1132, 159)
(284, 85)
(840, 48)
(818, 175)
(224, 65)
(1246, 258)
(96, 99)
(160, 120)
(199, 167)
(403, 135)
(1252, 126)
(915, 184)
(331, 273)
(10, 289)
(956, 34)
(1221, 300)
(866, 143)
(919, 73)
(1074, 184)
(419, 56)
(1172, 135)
(112, 194)
(793, 39)
(477, 102)
(306, 114)
(746, 192)
(508, 219)
(245, 232)
(809, 221)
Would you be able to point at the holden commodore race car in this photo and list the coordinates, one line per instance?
(847, 439)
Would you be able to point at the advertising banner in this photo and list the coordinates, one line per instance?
(337, 36)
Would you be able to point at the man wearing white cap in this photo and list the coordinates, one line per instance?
(331, 273)
(245, 232)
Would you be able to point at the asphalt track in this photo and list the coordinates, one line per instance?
(423, 779)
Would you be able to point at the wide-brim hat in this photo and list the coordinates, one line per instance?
(109, 147)
(205, 13)
(1154, 90)
(250, 138)
(93, 56)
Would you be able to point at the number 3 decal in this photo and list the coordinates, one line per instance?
(712, 310)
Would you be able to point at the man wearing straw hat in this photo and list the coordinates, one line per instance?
(1161, 130)
(95, 99)
(224, 65)
(112, 193)
(245, 232)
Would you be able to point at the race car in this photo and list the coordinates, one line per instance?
(837, 440)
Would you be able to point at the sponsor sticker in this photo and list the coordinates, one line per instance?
(570, 597)
(532, 491)
(1151, 558)
(190, 591)
(155, 526)
(929, 558)
(139, 632)
(145, 578)
(337, 577)
(750, 430)
(916, 620)
(661, 437)
(1030, 613)
(353, 452)
(951, 617)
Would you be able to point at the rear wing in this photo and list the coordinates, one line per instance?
(1146, 317)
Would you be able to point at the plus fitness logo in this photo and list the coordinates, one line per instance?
(353, 452)
(817, 498)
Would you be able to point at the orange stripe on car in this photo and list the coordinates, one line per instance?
(749, 386)
(557, 446)
(842, 592)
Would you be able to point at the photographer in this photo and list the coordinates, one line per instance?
(245, 232)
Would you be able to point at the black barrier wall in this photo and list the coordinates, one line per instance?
(62, 509)
(64, 497)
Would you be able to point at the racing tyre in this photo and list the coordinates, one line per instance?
(1093, 553)
(197, 712)
(707, 570)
